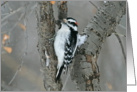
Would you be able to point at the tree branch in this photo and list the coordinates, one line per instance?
(4, 3)
(93, 5)
(122, 47)
(98, 29)
(12, 13)
(62, 9)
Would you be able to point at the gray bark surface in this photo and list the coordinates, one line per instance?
(85, 70)
(46, 31)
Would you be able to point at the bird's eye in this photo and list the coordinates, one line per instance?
(69, 22)
(72, 23)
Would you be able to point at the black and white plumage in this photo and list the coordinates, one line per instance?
(65, 44)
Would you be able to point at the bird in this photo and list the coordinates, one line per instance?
(65, 44)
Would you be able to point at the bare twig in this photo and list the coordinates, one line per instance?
(12, 13)
(21, 16)
(9, 7)
(26, 49)
(122, 26)
(4, 3)
(9, 31)
(5, 14)
(64, 85)
(4, 24)
(19, 68)
(93, 5)
(120, 34)
(122, 47)
(62, 9)
(25, 53)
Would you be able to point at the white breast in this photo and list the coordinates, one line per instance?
(59, 43)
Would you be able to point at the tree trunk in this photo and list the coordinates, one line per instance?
(46, 30)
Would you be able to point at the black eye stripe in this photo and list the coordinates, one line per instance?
(71, 23)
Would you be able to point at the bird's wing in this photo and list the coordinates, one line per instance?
(70, 48)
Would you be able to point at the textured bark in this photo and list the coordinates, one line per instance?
(62, 9)
(85, 70)
(46, 30)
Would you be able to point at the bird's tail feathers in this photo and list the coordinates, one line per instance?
(59, 73)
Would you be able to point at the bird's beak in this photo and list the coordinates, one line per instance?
(65, 20)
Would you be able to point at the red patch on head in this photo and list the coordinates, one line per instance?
(76, 23)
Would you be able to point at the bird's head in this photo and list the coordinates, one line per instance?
(71, 22)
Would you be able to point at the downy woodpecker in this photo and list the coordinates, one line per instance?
(65, 44)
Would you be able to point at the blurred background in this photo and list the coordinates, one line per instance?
(20, 61)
